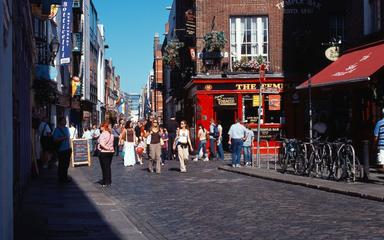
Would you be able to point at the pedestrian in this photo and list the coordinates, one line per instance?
(220, 150)
(154, 142)
(95, 136)
(105, 147)
(202, 136)
(73, 131)
(237, 134)
(45, 135)
(320, 128)
(140, 150)
(379, 139)
(213, 135)
(128, 140)
(171, 127)
(248, 146)
(61, 138)
(164, 145)
(88, 135)
(182, 142)
(116, 136)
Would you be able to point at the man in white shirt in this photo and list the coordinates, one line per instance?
(237, 134)
(72, 132)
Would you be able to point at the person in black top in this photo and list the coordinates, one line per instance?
(172, 128)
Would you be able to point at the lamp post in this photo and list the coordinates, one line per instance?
(54, 48)
(262, 72)
(310, 106)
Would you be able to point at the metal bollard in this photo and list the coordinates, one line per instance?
(366, 159)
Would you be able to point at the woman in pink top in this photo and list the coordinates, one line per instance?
(106, 149)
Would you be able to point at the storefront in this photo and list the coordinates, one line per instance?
(350, 94)
(231, 98)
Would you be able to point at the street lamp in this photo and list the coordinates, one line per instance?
(54, 47)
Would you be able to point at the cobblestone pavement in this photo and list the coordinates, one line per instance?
(207, 203)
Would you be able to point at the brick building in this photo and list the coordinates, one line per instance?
(291, 37)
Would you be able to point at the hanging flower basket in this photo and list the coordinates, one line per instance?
(252, 65)
(171, 54)
(214, 41)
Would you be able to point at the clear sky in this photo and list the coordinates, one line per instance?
(130, 27)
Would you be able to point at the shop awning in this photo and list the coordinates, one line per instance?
(352, 67)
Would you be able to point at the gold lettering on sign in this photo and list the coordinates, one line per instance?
(225, 100)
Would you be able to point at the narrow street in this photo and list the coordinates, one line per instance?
(204, 203)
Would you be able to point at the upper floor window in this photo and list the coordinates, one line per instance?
(336, 27)
(373, 19)
(249, 38)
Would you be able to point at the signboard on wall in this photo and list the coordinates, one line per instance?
(274, 102)
(225, 101)
(66, 32)
(266, 87)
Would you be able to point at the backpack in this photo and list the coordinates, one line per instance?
(215, 132)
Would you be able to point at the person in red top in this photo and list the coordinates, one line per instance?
(106, 149)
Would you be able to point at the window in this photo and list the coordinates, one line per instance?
(336, 27)
(249, 38)
(373, 19)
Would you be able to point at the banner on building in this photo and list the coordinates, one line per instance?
(66, 32)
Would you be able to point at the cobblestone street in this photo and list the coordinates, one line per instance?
(206, 203)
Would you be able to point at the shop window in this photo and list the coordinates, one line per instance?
(250, 106)
(336, 27)
(373, 20)
(272, 108)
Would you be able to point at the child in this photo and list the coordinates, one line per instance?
(140, 150)
(164, 145)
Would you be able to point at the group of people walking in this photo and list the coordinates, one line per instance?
(146, 139)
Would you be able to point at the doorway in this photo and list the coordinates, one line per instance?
(227, 118)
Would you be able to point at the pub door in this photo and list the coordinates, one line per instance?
(227, 118)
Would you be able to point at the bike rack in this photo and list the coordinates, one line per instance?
(275, 154)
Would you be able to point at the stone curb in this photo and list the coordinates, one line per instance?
(319, 184)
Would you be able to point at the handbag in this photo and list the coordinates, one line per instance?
(96, 152)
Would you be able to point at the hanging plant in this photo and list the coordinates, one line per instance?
(171, 53)
(214, 41)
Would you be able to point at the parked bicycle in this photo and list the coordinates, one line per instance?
(292, 154)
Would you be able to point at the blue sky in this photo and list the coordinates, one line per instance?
(130, 27)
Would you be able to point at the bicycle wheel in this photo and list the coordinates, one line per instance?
(300, 165)
(326, 160)
(283, 159)
(344, 158)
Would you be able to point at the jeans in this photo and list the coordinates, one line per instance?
(202, 145)
(247, 154)
(220, 151)
(116, 145)
(164, 154)
(64, 159)
(237, 144)
(212, 148)
(171, 139)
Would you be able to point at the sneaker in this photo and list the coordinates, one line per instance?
(195, 159)
(206, 159)
(162, 164)
(238, 165)
(233, 165)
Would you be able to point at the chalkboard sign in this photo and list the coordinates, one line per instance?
(80, 152)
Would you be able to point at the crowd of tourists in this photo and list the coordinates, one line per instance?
(145, 140)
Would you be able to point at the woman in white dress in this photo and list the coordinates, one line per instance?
(128, 140)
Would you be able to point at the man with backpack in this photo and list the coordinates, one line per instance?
(213, 136)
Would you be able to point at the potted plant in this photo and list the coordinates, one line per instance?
(171, 53)
(214, 42)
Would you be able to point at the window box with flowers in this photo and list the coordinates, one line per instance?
(171, 55)
(252, 65)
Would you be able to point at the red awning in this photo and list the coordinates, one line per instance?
(351, 67)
